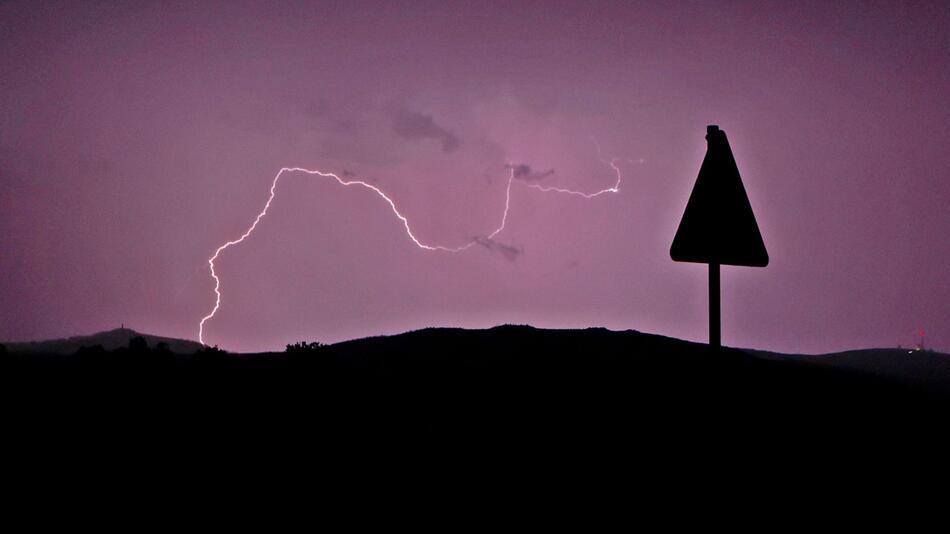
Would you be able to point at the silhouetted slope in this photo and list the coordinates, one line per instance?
(510, 380)
(918, 369)
(619, 405)
(109, 340)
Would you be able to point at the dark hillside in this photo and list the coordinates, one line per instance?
(564, 387)
(109, 340)
(922, 369)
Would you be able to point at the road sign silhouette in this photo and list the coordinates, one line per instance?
(718, 226)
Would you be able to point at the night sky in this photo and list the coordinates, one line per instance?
(134, 140)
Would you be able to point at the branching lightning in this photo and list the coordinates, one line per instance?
(614, 189)
(396, 212)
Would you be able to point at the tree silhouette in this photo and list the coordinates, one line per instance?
(138, 345)
(302, 347)
(211, 352)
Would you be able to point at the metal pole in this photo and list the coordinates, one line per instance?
(715, 325)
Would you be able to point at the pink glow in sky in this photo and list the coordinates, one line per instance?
(136, 140)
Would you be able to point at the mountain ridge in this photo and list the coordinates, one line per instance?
(108, 339)
(578, 389)
(927, 370)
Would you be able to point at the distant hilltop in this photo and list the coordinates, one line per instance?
(110, 340)
(923, 369)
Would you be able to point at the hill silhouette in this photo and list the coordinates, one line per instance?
(108, 340)
(920, 369)
(563, 404)
(927, 369)
(503, 381)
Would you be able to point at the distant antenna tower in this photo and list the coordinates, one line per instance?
(919, 347)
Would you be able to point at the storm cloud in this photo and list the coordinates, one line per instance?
(524, 172)
(412, 125)
(509, 252)
(169, 126)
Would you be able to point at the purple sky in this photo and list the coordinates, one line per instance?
(135, 140)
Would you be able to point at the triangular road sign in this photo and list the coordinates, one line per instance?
(718, 226)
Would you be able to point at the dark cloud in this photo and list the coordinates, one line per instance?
(509, 252)
(330, 117)
(411, 125)
(526, 173)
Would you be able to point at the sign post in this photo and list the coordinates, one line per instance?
(715, 307)
(718, 226)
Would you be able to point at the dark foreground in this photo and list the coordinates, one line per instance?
(565, 390)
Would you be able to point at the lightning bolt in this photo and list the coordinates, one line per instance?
(612, 163)
(396, 212)
(614, 189)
